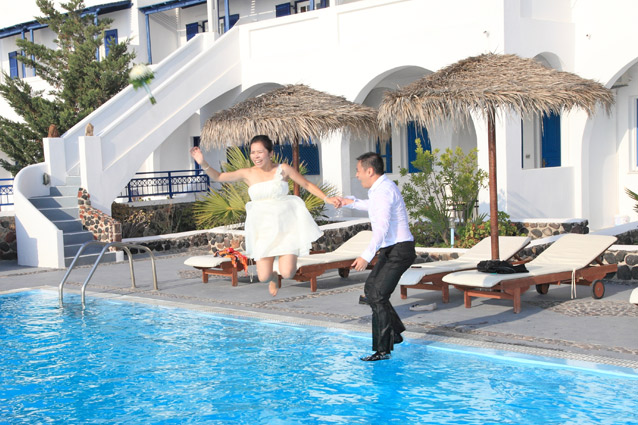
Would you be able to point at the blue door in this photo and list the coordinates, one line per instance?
(416, 132)
(13, 64)
(550, 141)
(196, 141)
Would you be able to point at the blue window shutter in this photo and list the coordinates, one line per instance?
(550, 141)
(110, 39)
(282, 9)
(191, 30)
(13, 65)
(232, 20)
(413, 134)
(386, 154)
(308, 155)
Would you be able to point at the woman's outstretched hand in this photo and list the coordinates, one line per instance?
(197, 154)
(335, 201)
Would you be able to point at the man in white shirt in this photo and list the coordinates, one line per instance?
(392, 238)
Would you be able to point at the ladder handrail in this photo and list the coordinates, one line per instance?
(125, 246)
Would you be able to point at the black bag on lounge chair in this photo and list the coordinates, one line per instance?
(500, 267)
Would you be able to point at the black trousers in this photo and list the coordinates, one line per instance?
(381, 282)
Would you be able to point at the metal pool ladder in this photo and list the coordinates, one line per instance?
(106, 245)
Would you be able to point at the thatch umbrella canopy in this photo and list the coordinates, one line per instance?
(289, 114)
(488, 84)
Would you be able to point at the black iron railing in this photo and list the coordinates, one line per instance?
(165, 183)
(6, 192)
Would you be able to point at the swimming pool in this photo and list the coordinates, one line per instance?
(124, 362)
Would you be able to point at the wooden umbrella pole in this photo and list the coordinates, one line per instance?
(491, 144)
(295, 162)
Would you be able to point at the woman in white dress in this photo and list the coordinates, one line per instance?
(277, 224)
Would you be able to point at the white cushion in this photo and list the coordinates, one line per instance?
(633, 298)
(206, 261)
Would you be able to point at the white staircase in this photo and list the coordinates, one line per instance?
(127, 129)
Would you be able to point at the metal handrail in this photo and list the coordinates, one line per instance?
(125, 246)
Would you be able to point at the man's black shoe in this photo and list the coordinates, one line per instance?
(398, 339)
(379, 355)
(363, 300)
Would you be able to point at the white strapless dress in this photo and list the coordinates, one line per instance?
(277, 223)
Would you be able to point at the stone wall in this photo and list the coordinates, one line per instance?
(8, 242)
(537, 230)
(152, 218)
(104, 227)
(224, 237)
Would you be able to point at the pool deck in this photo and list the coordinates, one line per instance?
(583, 329)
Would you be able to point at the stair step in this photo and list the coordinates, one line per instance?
(64, 191)
(68, 226)
(54, 201)
(72, 249)
(56, 214)
(75, 238)
(73, 181)
(108, 257)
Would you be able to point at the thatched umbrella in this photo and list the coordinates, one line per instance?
(487, 84)
(289, 114)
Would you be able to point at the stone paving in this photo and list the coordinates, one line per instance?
(601, 331)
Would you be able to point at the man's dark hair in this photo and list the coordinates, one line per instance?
(372, 160)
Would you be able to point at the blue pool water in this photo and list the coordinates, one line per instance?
(121, 362)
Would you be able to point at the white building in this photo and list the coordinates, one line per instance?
(357, 49)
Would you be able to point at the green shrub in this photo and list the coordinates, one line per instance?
(473, 232)
(446, 187)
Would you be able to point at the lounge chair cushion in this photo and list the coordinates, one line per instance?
(350, 249)
(205, 261)
(508, 247)
(569, 253)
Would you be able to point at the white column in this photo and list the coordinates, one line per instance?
(91, 169)
(55, 159)
(335, 167)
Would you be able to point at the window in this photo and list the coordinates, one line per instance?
(191, 30)
(415, 133)
(282, 10)
(302, 6)
(384, 149)
(110, 40)
(540, 142)
(13, 65)
(196, 141)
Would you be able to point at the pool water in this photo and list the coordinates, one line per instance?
(124, 362)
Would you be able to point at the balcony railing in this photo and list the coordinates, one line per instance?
(165, 183)
(6, 192)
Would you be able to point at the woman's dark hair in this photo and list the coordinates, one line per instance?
(372, 160)
(264, 140)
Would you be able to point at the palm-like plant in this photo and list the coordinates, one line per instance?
(634, 196)
(228, 204)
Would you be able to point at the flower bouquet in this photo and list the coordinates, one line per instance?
(234, 256)
(141, 76)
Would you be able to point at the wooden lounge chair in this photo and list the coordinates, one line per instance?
(212, 265)
(430, 275)
(309, 267)
(568, 260)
